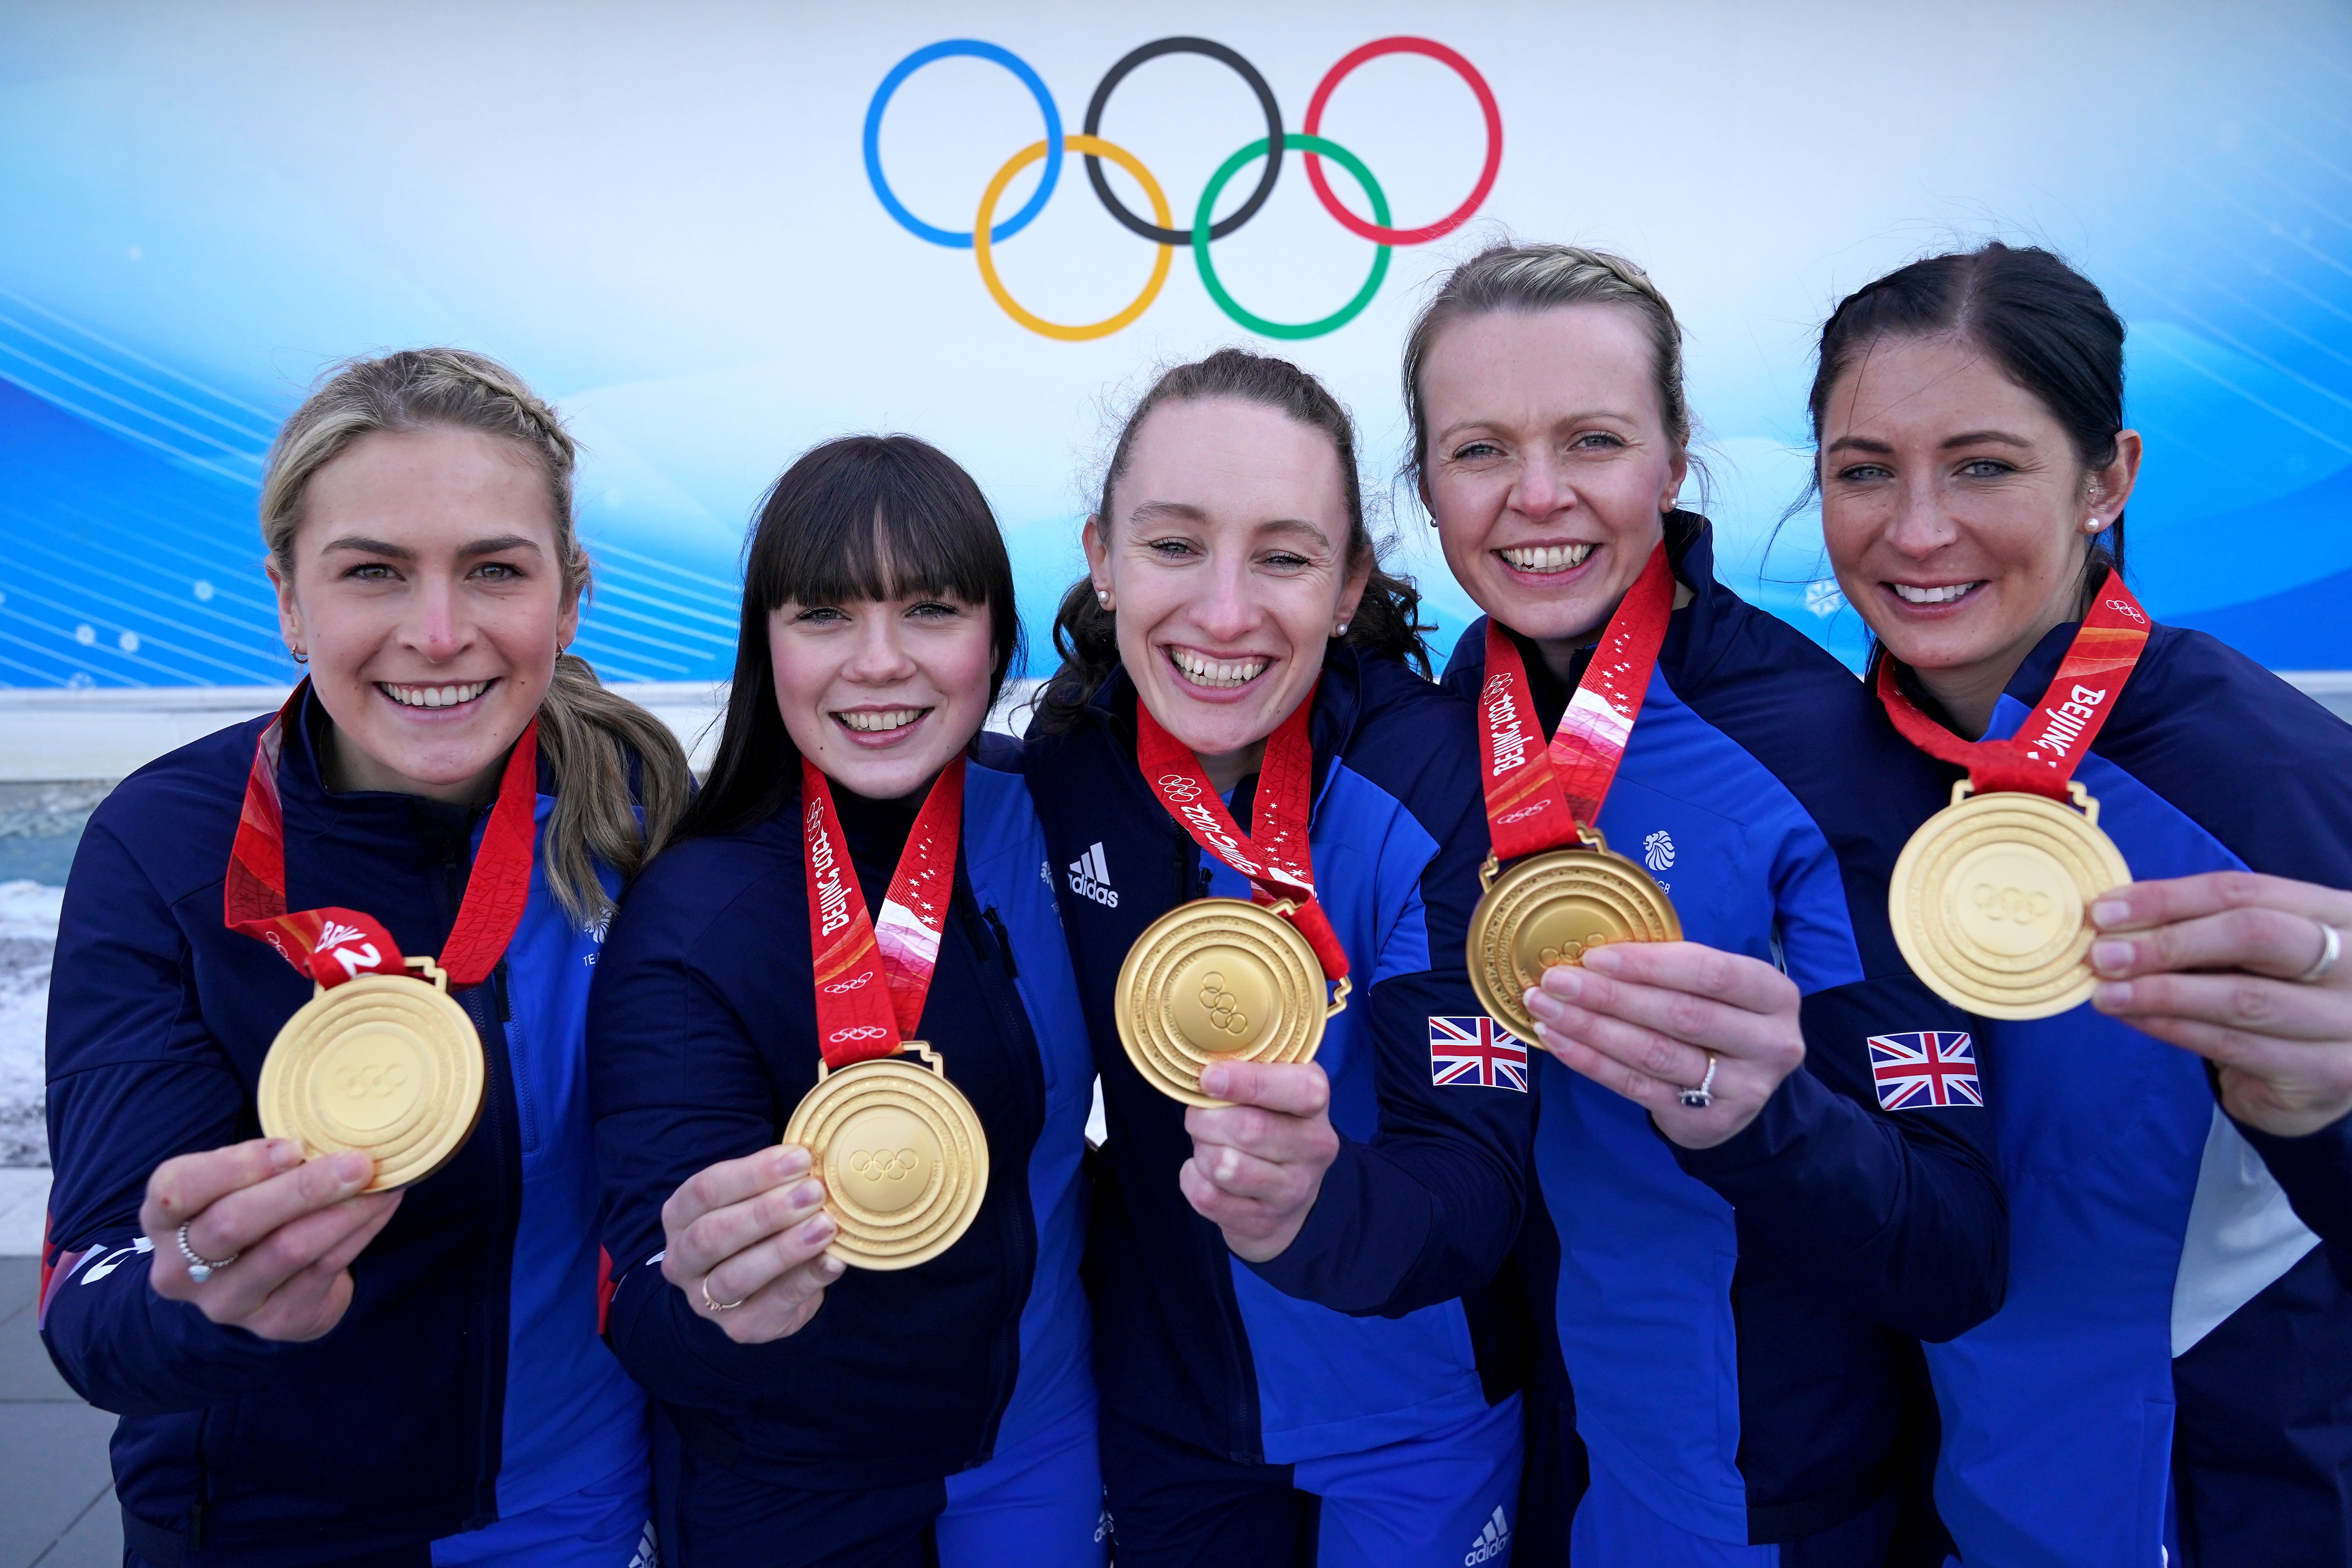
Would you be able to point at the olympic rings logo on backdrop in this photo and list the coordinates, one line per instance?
(987, 232)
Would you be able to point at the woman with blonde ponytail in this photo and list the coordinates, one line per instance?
(317, 1360)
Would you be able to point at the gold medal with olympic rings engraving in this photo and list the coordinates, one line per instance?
(1554, 907)
(383, 1064)
(1220, 980)
(903, 1157)
(1990, 900)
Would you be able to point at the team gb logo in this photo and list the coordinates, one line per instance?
(1658, 850)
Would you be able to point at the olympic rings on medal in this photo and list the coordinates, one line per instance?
(986, 233)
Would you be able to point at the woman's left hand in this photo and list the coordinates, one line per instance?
(2211, 964)
(1648, 1018)
(1257, 1164)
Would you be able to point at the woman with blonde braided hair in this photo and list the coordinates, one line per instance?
(1751, 1192)
(321, 1355)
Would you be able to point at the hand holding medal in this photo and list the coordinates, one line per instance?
(1576, 947)
(2248, 971)
(1220, 1000)
(1990, 899)
(371, 1085)
(1222, 979)
(1567, 894)
(900, 1151)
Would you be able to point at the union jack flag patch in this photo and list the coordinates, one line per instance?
(1477, 1051)
(1925, 1067)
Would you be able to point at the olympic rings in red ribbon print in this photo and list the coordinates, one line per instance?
(988, 231)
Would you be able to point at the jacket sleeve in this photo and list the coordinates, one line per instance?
(1899, 1213)
(134, 1079)
(1429, 1207)
(677, 1085)
(2316, 1172)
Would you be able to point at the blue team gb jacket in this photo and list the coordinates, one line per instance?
(466, 1383)
(1733, 1321)
(1375, 1324)
(2178, 1336)
(702, 1041)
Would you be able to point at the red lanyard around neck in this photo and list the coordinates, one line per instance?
(2040, 757)
(871, 981)
(1277, 859)
(331, 944)
(1538, 795)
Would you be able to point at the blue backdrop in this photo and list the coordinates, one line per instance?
(665, 218)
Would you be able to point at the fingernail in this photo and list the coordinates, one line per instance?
(2109, 912)
(1564, 980)
(1215, 1081)
(1603, 959)
(1227, 1163)
(791, 1162)
(1545, 1007)
(808, 1194)
(285, 1153)
(830, 1267)
(2111, 995)
(352, 1168)
(818, 1229)
(2111, 957)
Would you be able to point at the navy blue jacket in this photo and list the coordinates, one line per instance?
(704, 1040)
(2181, 1289)
(1733, 1321)
(1373, 1325)
(466, 1383)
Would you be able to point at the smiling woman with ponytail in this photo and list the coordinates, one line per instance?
(308, 1370)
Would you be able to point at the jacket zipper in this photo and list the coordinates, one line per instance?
(1022, 1054)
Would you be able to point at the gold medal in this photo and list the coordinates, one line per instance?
(903, 1157)
(1554, 907)
(1990, 900)
(384, 1065)
(1220, 980)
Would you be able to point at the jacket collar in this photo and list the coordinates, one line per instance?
(363, 819)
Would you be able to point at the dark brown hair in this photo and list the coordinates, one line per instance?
(2043, 325)
(860, 517)
(1387, 622)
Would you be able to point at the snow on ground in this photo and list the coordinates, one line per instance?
(28, 934)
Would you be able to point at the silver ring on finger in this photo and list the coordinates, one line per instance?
(1702, 1097)
(201, 1268)
(2331, 948)
(719, 1306)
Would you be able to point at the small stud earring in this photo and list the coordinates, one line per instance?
(1102, 597)
(1342, 631)
(2092, 525)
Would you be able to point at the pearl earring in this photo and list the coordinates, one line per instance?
(2092, 525)
(1342, 631)
(1102, 597)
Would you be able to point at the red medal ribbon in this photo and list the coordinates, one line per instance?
(870, 983)
(2040, 758)
(1537, 796)
(1277, 861)
(331, 944)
